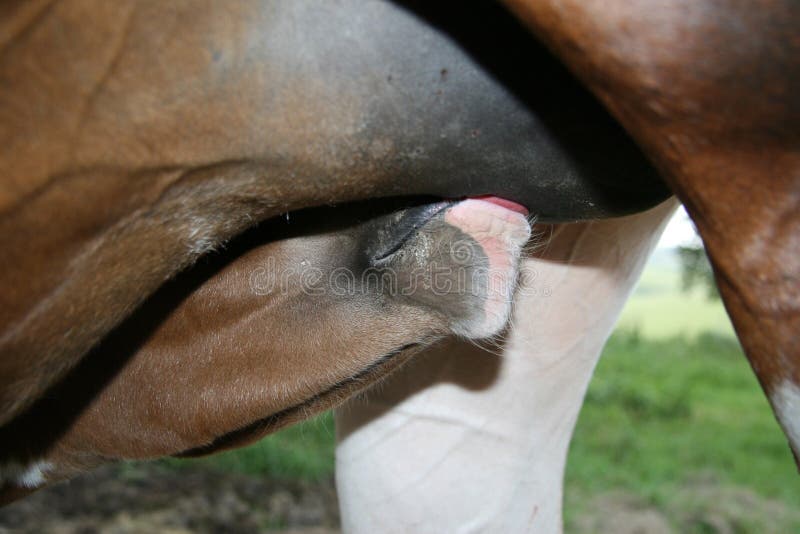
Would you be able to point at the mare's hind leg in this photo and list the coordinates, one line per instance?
(464, 439)
(709, 89)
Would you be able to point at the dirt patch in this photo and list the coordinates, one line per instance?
(622, 514)
(707, 507)
(147, 498)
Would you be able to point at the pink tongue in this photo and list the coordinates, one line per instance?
(508, 204)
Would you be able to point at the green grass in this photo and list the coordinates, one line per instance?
(666, 420)
(659, 309)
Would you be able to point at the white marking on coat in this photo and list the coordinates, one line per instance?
(25, 475)
(786, 399)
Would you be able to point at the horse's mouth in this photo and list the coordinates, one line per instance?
(399, 230)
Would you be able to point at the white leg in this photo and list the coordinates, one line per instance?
(462, 440)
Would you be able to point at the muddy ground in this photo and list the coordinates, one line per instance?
(148, 498)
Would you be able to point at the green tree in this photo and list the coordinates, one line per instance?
(696, 270)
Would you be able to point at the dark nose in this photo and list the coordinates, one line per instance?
(405, 225)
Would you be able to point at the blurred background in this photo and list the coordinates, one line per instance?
(675, 436)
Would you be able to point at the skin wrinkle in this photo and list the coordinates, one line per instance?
(61, 179)
(122, 226)
(118, 47)
(408, 486)
(464, 423)
(37, 127)
(26, 28)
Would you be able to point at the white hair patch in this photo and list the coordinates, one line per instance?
(786, 400)
(30, 475)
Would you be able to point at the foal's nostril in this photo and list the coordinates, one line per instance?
(407, 223)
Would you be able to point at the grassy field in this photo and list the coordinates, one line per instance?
(679, 426)
(660, 310)
(675, 432)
